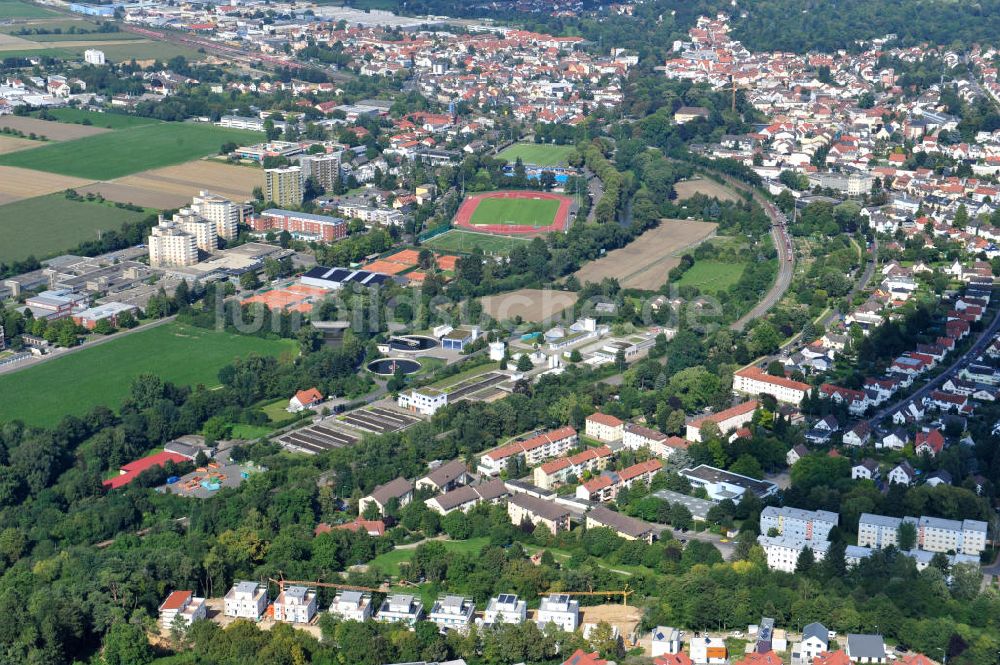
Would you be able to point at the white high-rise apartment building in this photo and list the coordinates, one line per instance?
(220, 210)
(205, 235)
(325, 168)
(171, 246)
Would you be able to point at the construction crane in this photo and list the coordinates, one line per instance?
(624, 593)
(328, 585)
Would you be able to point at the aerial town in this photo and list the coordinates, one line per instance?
(498, 333)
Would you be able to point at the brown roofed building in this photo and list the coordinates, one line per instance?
(523, 508)
(399, 489)
(627, 527)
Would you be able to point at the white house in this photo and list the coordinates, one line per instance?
(453, 613)
(754, 381)
(902, 473)
(304, 399)
(425, 401)
(866, 469)
(665, 640)
(182, 605)
(604, 427)
(295, 604)
(559, 609)
(246, 600)
(815, 640)
(352, 606)
(866, 649)
(401, 607)
(708, 650)
(505, 608)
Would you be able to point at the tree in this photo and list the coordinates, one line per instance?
(126, 644)
(524, 363)
(747, 465)
(127, 320)
(620, 362)
(680, 516)
(103, 327)
(574, 356)
(906, 536)
(806, 561)
(249, 281)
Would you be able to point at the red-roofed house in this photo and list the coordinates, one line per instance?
(838, 657)
(559, 470)
(580, 657)
(131, 471)
(911, 659)
(606, 486)
(673, 659)
(604, 427)
(304, 399)
(535, 450)
(767, 658)
(931, 442)
(182, 606)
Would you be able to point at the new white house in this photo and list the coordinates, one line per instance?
(295, 604)
(452, 613)
(246, 600)
(352, 606)
(183, 606)
(560, 610)
(401, 607)
(505, 608)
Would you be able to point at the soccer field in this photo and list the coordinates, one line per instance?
(514, 212)
(125, 151)
(42, 394)
(460, 241)
(47, 225)
(538, 154)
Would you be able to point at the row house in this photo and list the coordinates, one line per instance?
(465, 498)
(857, 401)
(635, 437)
(533, 451)
(727, 421)
(754, 381)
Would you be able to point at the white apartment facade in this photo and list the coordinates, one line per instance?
(534, 450)
(604, 427)
(783, 551)
(205, 236)
(171, 246)
(505, 608)
(402, 608)
(93, 56)
(452, 613)
(560, 610)
(425, 401)
(753, 381)
(798, 523)
(352, 606)
(219, 210)
(184, 605)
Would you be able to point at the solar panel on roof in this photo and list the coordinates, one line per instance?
(506, 598)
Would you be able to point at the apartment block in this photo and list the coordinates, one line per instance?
(934, 534)
(783, 551)
(205, 235)
(606, 486)
(324, 168)
(246, 600)
(171, 246)
(302, 225)
(533, 451)
(635, 437)
(402, 608)
(798, 523)
(604, 427)
(754, 381)
(225, 214)
(283, 186)
(731, 419)
(523, 508)
(559, 470)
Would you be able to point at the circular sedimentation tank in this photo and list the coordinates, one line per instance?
(412, 343)
(388, 366)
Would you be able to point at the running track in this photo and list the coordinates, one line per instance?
(463, 218)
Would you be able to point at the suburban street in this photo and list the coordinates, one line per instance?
(980, 345)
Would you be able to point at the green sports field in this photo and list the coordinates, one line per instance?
(42, 394)
(538, 154)
(48, 225)
(120, 153)
(18, 9)
(104, 120)
(514, 212)
(711, 276)
(458, 240)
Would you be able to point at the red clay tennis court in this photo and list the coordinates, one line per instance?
(560, 220)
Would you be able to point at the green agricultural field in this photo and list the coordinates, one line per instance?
(116, 154)
(44, 393)
(514, 212)
(104, 120)
(84, 37)
(464, 242)
(711, 276)
(18, 9)
(538, 154)
(37, 53)
(145, 50)
(48, 225)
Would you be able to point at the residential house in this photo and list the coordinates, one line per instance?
(940, 477)
(798, 523)
(866, 469)
(894, 440)
(246, 600)
(838, 657)
(859, 435)
(295, 604)
(624, 526)
(581, 657)
(304, 399)
(797, 452)
(352, 605)
(606, 486)
(929, 442)
(760, 658)
(821, 432)
(401, 607)
(815, 640)
(181, 606)
(445, 477)
(708, 650)
(635, 437)
(754, 381)
(866, 648)
(903, 474)
(452, 613)
(561, 470)
(665, 640)
(560, 610)
(857, 400)
(604, 427)
(505, 608)
(525, 508)
(679, 658)
(399, 490)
